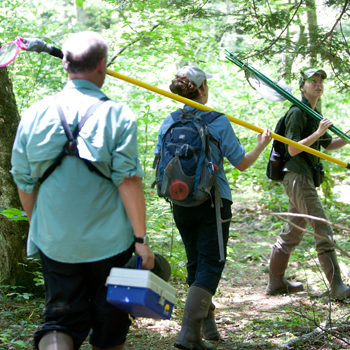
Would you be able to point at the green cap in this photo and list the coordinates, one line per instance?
(161, 266)
(309, 73)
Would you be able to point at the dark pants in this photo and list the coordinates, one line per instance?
(76, 302)
(197, 226)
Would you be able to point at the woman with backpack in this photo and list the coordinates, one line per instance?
(198, 224)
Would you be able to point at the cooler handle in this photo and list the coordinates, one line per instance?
(138, 262)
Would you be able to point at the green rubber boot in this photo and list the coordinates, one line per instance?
(277, 282)
(196, 309)
(209, 329)
(330, 266)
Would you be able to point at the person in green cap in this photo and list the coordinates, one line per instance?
(300, 187)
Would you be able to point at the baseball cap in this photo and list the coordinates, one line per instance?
(195, 74)
(309, 73)
(161, 266)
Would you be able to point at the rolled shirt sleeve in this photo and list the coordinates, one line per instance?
(21, 170)
(125, 162)
(230, 146)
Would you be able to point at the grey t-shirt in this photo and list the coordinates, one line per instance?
(296, 122)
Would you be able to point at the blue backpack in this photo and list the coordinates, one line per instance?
(185, 172)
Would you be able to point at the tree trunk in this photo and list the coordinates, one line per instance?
(312, 27)
(287, 59)
(13, 234)
(81, 17)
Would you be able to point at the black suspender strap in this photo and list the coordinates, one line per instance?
(70, 147)
(64, 123)
(88, 114)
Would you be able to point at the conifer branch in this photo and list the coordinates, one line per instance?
(132, 43)
(330, 33)
(275, 41)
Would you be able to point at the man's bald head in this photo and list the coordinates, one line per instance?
(82, 51)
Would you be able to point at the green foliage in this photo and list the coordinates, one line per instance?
(150, 41)
(79, 3)
(14, 214)
(18, 321)
(14, 292)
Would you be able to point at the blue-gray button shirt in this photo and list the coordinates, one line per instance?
(230, 147)
(78, 215)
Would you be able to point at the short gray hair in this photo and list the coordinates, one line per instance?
(82, 51)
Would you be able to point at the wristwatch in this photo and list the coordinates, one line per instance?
(144, 239)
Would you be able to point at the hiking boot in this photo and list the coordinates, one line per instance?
(209, 329)
(196, 309)
(277, 282)
(331, 269)
(56, 341)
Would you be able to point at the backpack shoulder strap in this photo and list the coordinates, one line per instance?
(305, 134)
(177, 114)
(208, 117)
(308, 127)
(181, 114)
(281, 126)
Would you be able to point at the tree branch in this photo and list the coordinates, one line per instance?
(322, 328)
(132, 43)
(254, 7)
(199, 8)
(347, 218)
(313, 218)
(337, 75)
(345, 42)
(311, 233)
(331, 31)
(285, 28)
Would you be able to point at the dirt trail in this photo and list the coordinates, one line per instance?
(246, 317)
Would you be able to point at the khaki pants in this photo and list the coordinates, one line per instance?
(303, 199)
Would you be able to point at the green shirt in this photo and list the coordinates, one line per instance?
(79, 215)
(296, 123)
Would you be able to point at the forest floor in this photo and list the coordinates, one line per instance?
(246, 317)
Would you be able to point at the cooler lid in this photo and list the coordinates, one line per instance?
(141, 279)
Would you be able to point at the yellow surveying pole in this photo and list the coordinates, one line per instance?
(232, 119)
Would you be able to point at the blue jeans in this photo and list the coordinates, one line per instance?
(197, 226)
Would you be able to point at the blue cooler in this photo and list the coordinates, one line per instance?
(141, 293)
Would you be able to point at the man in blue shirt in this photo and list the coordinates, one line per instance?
(82, 223)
